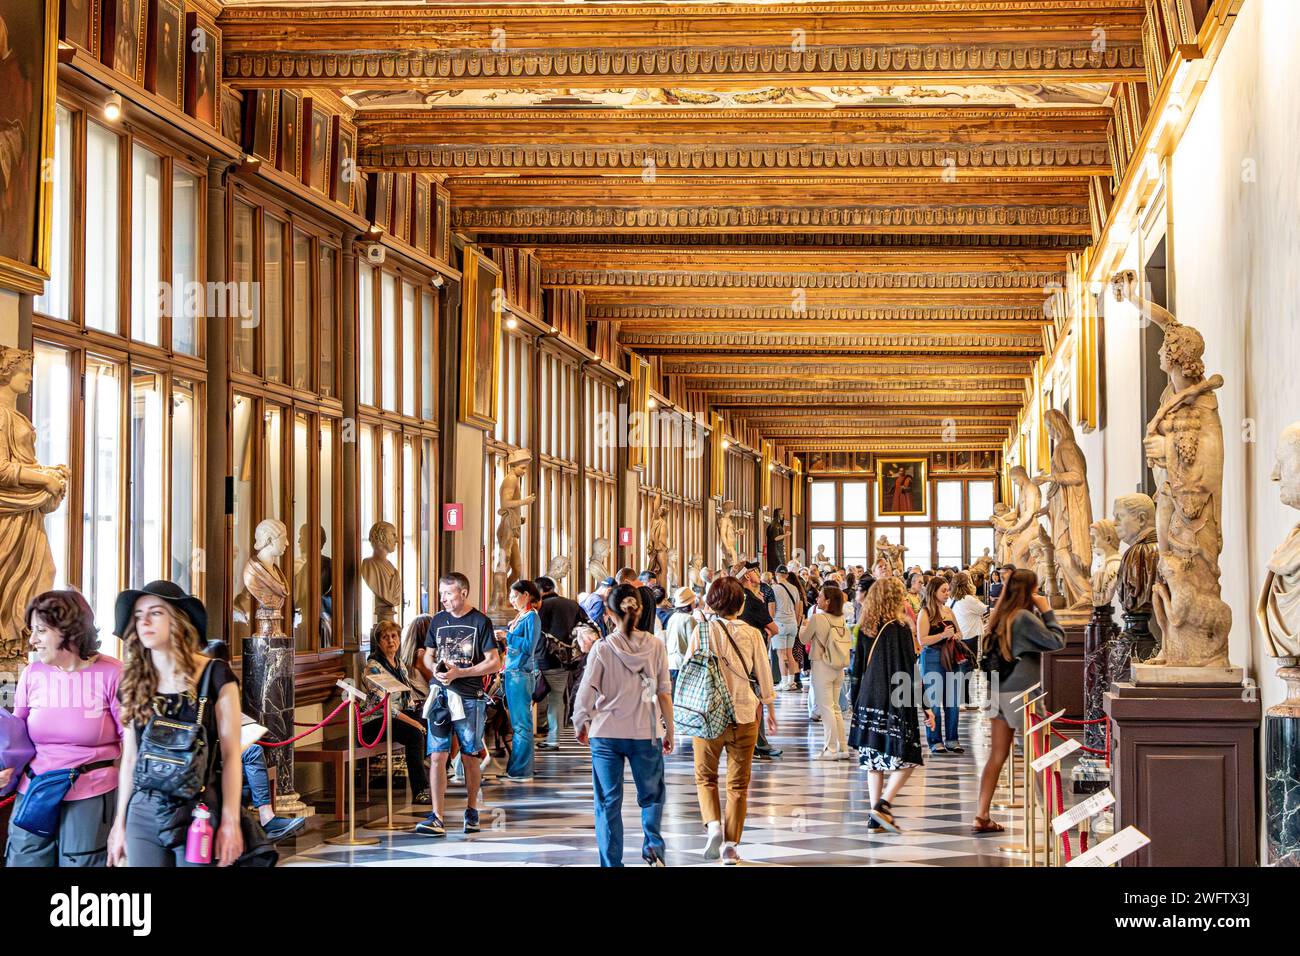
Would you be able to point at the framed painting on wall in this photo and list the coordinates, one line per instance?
(261, 108)
(380, 197)
(901, 487)
(442, 223)
(480, 339)
(420, 214)
(164, 60)
(79, 24)
(27, 72)
(202, 68)
(122, 48)
(402, 206)
(316, 149)
(288, 153)
(343, 162)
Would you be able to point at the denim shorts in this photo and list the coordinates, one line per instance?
(783, 640)
(468, 731)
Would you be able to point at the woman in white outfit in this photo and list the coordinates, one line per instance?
(829, 644)
(788, 617)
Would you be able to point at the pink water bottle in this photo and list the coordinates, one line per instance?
(198, 840)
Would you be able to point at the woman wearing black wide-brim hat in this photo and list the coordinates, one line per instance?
(166, 675)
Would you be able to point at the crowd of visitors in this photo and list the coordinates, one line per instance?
(125, 759)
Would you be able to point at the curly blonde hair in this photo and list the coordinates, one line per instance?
(139, 684)
(885, 603)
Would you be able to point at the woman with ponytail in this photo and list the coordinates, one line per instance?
(624, 711)
(1021, 627)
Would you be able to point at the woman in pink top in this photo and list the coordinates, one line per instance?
(68, 697)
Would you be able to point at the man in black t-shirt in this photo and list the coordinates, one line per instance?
(559, 616)
(646, 622)
(755, 614)
(460, 648)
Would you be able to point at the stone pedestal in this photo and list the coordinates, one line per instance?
(1097, 637)
(1063, 670)
(268, 699)
(1282, 772)
(1184, 772)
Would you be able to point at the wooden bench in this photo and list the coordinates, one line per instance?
(336, 752)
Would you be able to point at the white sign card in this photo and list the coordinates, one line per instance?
(387, 683)
(1055, 754)
(1080, 811)
(1026, 693)
(350, 689)
(1113, 849)
(1030, 703)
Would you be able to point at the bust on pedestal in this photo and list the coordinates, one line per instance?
(268, 659)
(379, 574)
(1279, 615)
(1135, 517)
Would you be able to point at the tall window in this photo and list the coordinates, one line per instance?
(118, 376)
(557, 486)
(600, 414)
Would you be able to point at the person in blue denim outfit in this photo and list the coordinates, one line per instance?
(522, 639)
(935, 625)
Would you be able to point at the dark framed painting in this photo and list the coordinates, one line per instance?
(288, 149)
(442, 223)
(261, 110)
(27, 73)
(79, 24)
(380, 201)
(202, 68)
(164, 60)
(316, 147)
(402, 206)
(122, 45)
(421, 208)
(901, 487)
(343, 162)
(480, 339)
(232, 118)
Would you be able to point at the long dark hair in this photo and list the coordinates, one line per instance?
(932, 607)
(624, 602)
(1017, 595)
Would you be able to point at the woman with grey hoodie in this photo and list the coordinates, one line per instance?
(624, 712)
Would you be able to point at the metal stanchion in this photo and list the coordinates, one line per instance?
(350, 838)
(1029, 842)
(388, 823)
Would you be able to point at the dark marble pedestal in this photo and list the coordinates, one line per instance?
(1097, 639)
(1184, 772)
(1282, 771)
(268, 699)
(1063, 670)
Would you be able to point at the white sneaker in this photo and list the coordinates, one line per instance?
(730, 855)
(713, 848)
(842, 755)
(825, 755)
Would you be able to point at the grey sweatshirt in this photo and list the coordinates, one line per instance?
(611, 700)
(1030, 637)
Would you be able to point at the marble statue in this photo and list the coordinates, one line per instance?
(1278, 611)
(656, 539)
(1041, 554)
(777, 534)
(28, 492)
(693, 570)
(1069, 511)
(264, 580)
(982, 565)
(1105, 547)
(510, 506)
(379, 574)
(1002, 519)
(1021, 528)
(499, 598)
(596, 563)
(1184, 449)
(558, 569)
(1135, 517)
(820, 559)
(891, 553)
(673, 582)
(727, 535)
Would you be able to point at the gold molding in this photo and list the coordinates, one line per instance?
(682, 279)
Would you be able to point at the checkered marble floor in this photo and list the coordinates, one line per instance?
(802, 812)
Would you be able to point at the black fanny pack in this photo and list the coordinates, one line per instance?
(174, 755)
(39, 811)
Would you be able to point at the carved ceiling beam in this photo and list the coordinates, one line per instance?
(848, 320)
(920, 344)
(1013, 263)
(728, 364)
(868, 402)
(668, 243)
(756, 278)
(818, 444)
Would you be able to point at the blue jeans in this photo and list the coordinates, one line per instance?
(941, 697)
(256, 780)
(519, 701)
(646, 758)
(557, 683)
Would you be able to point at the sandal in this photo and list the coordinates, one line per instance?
(986, 825)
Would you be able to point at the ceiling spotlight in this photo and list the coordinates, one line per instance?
(437, 282)
(725, 444)
(651, 403)
(113, 108)
(512, 323)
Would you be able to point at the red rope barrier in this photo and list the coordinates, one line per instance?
(306, 733)
(1091, 750)
(8, 800)
(383, 726)
(1080, 723)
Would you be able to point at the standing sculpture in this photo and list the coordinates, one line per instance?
(727, 536)
(982, 565)
(891, 553)
(1279, 615)
(673, 579)
(777, 533)
(379, 574)
(1041, 556)
(597, 569)
(656, 543)
(28, 492)
(1069, 511)
(1002, 519)
(1021, 530)
(268, 671)
(1184, 449)
(693, 570)
(1100, 632)
(510, 506)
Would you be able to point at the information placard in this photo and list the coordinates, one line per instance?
(1113, 849)
(1080, 811)
(1055, 754)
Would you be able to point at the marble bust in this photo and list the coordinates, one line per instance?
(1105, 547)
(264, 580)
(379, 574)
(1279, 599)
(1135, 517)
(597, 567)
(558, 568)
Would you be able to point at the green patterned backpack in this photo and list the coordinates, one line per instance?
(701, 703)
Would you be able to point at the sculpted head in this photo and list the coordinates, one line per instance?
(1019, 475)
(1105, 537)
(1182, 351)
(15, 369)
(1135, 515)
(383, 537)
(270, 538)
(1287, 470)
(1058, 425)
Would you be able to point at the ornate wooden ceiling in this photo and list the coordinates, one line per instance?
(839, 220)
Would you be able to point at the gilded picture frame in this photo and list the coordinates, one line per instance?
(28, 111)
(164, 62)
(79, 24)
(122, 37)
(343, 161)
(202, 69)
(895, 500)
(480, 339)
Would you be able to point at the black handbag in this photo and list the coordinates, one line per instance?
(174, 755)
